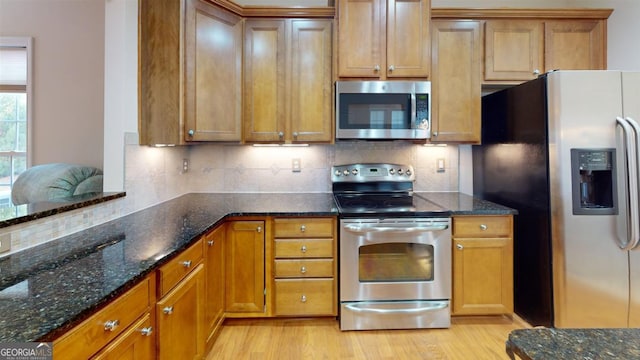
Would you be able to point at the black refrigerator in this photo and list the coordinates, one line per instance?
(554, 149)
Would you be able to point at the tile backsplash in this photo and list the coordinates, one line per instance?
(154, 175)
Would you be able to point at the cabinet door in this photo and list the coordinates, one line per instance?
(213, 73)
(180, 319)
(311, 92)
(575, 45)
(408, 45)
(361, 38)
(264, 81)
(214, 265)
(514, 49)
(483, 276)
(136, 343)
(244, 267)
(456, 81)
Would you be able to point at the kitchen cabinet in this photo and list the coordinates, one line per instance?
(190, 72)
(245, 268)
(180, 308)
(288, 81)
(305, 267)
(124, 326)
(382, 39)
(482, 265)
(456, 77)
(520, 50)
(214, 283)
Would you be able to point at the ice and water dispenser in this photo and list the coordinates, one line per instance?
(593, 177)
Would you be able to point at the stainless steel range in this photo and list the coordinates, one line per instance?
(395, 250)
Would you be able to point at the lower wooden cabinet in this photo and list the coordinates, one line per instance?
(244, 268)
(180, 319)
(482, 265)
(138, 342)
(305, 267)
(214, 283)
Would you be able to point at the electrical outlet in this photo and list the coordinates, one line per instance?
(296, 166)
(185, 165)
(5, 242)
(440, 165)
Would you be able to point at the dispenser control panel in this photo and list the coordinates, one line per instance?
(593, 181)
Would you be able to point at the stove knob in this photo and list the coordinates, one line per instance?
(345, 172)
(399, 171)
(354, 172)
(392, 171)
(408, 172)
(338, 173)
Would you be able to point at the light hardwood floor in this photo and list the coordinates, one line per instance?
(468, 338)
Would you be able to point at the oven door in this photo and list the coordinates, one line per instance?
(395, 259)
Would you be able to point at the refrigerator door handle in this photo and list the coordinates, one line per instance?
(636, 218)
(630, 180)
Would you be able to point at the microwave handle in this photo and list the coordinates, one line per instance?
(413, 110)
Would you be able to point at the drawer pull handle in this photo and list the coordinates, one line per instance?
(187, 263)
(259, 229)
(303, 270)
(210, 242)
(303, 228)
(146, 331)
(168, 310)
(483, 227)
(303, 299)
(459, 246)
(111, 325)
(303, 248)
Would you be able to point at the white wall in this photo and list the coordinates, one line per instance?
(68, 94)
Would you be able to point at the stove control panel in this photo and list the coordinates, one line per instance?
(372, 173)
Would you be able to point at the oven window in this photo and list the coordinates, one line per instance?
(395, 262)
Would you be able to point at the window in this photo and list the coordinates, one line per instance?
(15, 99)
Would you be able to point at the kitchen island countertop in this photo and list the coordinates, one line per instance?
(48, 289)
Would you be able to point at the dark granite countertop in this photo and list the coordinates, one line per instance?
(46, 290)
(569, 344)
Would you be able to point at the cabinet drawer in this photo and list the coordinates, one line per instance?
(304, 227)
(304, 248)
(305, 297)
(304, 268)
(177, 268)
(94, 333)
(138, 342)
(482, 226)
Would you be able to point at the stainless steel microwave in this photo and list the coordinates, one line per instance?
(383, 110)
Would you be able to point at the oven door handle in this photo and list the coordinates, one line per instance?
(399, 228)
(370, 307)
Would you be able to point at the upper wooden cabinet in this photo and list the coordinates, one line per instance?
(384, 38)
(456, 81)
(190, 72)
(523, 49)
(288, 83)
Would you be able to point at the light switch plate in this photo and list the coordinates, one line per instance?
(440, 165)
(296, 166)
(5, 242)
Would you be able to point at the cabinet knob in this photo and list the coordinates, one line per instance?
(459, 246)
(435, 134)
(303, 248)
(303, 298)
(210, 243)
(168, 310)
(536, 72)
(259, 229)
(187, 263)
(111, 325)
(303, 270)
(280, 134)
(191, 132)
(146, 331)
(376, 68)
(303, 228)
(391, 68)
(483, 227)
(295, 134)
